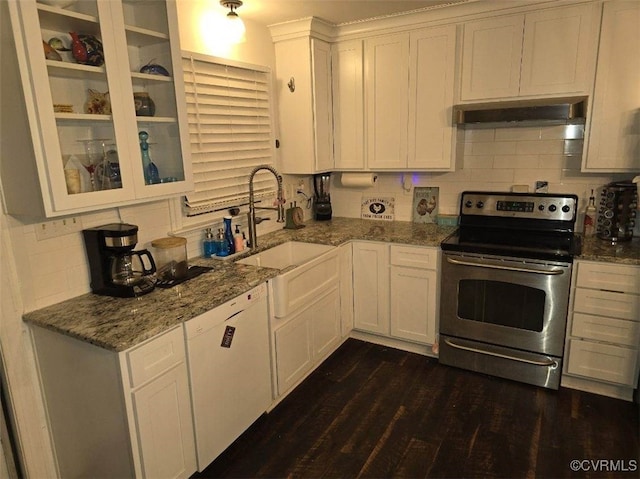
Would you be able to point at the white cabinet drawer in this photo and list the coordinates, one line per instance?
(414, 257)
(615, 364)
(156, 356)
(600, 328)
(607, 303)
(610, 277)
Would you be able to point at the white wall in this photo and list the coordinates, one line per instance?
(492, 159)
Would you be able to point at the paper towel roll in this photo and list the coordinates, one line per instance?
(357, 180)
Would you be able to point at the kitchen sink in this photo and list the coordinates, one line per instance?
(306, 270)
(291, 253)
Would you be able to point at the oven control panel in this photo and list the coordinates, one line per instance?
(520, 205)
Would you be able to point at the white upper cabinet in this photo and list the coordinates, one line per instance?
(544, 53)
(71, 102)
(348, 104)
(409, 81)
(303, 70)
(614, 135)
(431, 82)
(386, 72)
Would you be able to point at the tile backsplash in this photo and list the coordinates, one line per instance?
(491, 159)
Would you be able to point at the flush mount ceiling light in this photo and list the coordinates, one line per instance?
(235, 26)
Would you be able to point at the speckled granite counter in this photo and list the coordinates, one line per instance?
(626, 252)
(118, 324)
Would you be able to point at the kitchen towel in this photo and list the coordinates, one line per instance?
(357, 180)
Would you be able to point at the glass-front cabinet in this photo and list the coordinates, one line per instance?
(103, 88)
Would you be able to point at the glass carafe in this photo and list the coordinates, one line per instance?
(129, 268)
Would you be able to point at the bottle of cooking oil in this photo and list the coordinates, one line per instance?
(590, 217)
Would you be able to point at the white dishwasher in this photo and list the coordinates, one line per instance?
(230, 372)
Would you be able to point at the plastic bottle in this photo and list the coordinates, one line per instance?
(222, 248)
(209, 244)
(237, 240)
(589, 228)
(228, 234)
(245, 241)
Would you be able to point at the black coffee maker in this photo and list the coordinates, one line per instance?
(321, 198)
(117, 270)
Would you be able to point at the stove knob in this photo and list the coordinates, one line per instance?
(552, 208)
(479, 204)
(468, 204)
(541, 207)
(566, 209)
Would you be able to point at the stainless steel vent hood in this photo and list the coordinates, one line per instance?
(546, 111)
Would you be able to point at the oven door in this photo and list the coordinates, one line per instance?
(503, 301)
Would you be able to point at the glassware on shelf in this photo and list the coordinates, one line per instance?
(95, 154)
(151, 174)
(107, 174)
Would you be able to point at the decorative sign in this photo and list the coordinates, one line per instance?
(425, 204)
(377, 208)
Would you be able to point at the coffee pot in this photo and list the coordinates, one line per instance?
(116, 269)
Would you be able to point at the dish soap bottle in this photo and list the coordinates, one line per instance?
(150, 170)
(589, 217)
(237, 240)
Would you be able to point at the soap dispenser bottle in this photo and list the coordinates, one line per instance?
(222, 248)
(209, 244)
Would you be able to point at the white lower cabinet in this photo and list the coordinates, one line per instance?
(603, 333)
(124, 414)
(305, 338)
(396, 291)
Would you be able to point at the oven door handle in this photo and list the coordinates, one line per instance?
(547, 363)
(519, 269)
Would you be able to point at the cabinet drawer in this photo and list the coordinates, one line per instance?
(607, 303)
(610, 277)
(615, 364)
(156, 356)
(414, 257)
(611, 330)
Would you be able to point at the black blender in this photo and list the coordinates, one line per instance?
(117, 270)
(321, 198)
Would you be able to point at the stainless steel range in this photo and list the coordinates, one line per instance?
(506, 275)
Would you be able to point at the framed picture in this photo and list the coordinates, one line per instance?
(425, 204)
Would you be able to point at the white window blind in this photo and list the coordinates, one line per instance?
(228, 110)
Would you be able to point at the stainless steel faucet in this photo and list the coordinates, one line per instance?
(253, 236)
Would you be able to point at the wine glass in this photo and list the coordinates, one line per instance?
(94, 155)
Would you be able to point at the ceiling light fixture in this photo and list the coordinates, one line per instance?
(235, 26)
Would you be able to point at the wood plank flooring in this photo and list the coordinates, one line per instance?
(375, 412)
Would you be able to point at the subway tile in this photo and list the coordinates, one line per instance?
(515, 162)
(505, 175)
(480, 134)
(480, 161)
(518, 134)
(541, 147)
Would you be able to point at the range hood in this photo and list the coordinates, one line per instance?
(546, 111)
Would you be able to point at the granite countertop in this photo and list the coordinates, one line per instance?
(118, 324)
(625, 252)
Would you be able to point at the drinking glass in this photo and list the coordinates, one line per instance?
(94, 155)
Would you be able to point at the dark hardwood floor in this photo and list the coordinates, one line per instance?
(372, 411)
